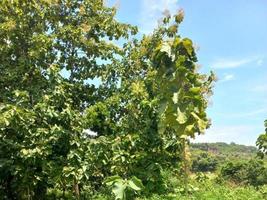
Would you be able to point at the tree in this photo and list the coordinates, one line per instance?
(41, 110)
(262, 142)
(167, 98)
(204, 162)
(150, 98)
(253, 172)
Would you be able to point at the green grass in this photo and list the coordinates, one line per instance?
(209, 187)
(208, 190)
(212, 191)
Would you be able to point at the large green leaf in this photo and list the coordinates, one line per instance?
(112, 179)
(181, 116)
(135, 184)
(202, 125)
(166, 48)
(187, 43)
(119, 190)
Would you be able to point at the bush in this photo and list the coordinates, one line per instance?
(204, 162)
(253, 172)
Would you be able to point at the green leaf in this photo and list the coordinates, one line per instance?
(187, 43)
(202, 125)
(175, 97)
(184, 137)
(166, 48)
(162, 107)
(6, 122)
(24, 152)
(181, 116)
(119, 190)
(189, 129)
(195, 90)
(112, 179)
(135, 184)
(162, 126)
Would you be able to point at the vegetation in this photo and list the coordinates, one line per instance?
(262, 142)
(128, 138)
(238, 164)
(142, 125)
(203, 189)
(253, 172)
(204, 162)
(221, 149)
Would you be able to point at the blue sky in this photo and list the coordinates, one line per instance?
(232, 41)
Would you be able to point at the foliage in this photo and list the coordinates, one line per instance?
(201, 177)
(42, 115)
(253, 172)
(207, 190)
(263, 190)
(150, 99)
(234, 171)
(225, 150)
(204, 162)
(262, 142)
(215, 155)
(120, 186)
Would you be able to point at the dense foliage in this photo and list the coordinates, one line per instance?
(210, 157)
(224, 149)
(199, 189)
(253, 172)
(237, 165)
(62, 137)
(204, 162)
(262, 142)
(150, 100)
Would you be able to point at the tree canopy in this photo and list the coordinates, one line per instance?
(150, 99)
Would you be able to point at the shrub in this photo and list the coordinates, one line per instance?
(204, 162)
(253, 172)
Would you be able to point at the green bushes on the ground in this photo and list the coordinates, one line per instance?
(204, 162)
(207, 189)
(253, 172)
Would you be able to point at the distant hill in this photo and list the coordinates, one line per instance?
(224, 150)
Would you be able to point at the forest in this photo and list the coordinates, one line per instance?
(128, 137)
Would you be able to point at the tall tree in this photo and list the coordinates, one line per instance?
(150, 98)
(41, 110)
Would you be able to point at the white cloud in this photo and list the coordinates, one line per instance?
(152, 11)
(240, 134)
(234, 63)
(227, 77)
(225, 63)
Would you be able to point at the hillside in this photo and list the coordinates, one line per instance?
(212, 156)
(231, 150)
